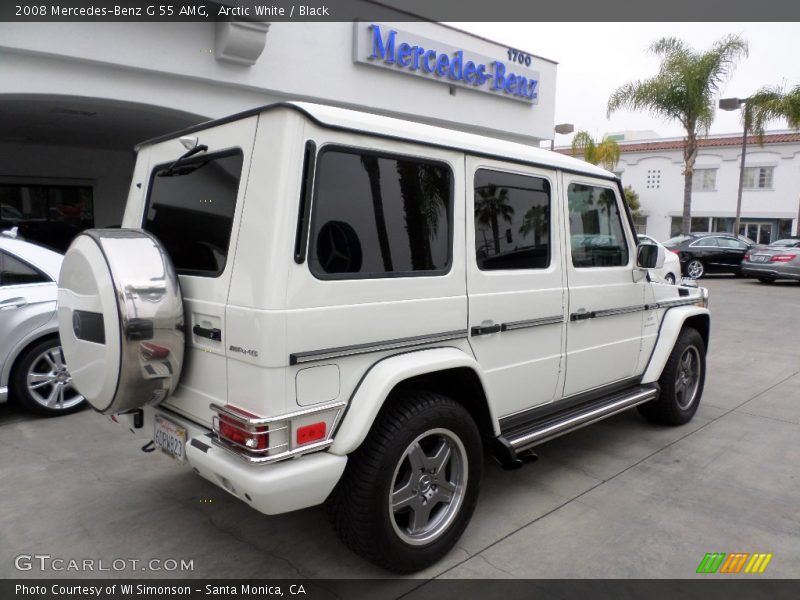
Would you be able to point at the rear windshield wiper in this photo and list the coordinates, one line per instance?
(189, 153)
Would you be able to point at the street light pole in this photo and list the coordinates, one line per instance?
(735, 104)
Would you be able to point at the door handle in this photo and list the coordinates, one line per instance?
(212, 334)
(486, 329)
(18, 302)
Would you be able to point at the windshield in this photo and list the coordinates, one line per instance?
(190, 210)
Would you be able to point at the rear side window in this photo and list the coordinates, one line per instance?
(377, 215)
(597, 238)
(190, 210)
(512, 221)
(16, 272)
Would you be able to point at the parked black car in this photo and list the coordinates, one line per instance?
(702, 253)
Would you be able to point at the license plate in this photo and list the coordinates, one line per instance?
(760, 258)
(171, 438)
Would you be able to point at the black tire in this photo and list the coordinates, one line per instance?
(766, 279)
(32, 357)
(359, 507)
(672, 406)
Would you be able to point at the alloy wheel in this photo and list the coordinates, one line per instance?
(428, 486)
(49, 383)
(687, 379)
(695, 269)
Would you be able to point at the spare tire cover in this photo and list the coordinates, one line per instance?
(120, 317)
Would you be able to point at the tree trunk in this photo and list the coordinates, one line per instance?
(373, 173)
(496, 234)
(418, 231)
(689, 157)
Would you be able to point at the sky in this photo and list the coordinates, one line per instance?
(596, 58)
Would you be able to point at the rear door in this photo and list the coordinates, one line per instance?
(194, 209)
(515, 281)
(606, 294)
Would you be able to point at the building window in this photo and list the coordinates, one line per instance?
(697, 225)
(377, 215)
(653, 179)
(512, 221)
(757, 178)
(48, 214)
(704, 180)
(597, 238)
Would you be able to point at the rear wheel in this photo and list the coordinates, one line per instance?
(681, 382)
(695, 268)
(409, 491)
(42, 383)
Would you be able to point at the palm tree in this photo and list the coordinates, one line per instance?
(605, 152)
(490, 204)
(534, 220)
(770, 103)
(684, 90)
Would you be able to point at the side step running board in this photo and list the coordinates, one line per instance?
(526, 436)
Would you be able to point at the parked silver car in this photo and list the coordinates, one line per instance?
(779, 260)
(32, 366)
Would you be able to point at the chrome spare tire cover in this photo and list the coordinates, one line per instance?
(120, 317)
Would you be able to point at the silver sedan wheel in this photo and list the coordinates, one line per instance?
(428, 486)
(49, 382)
(687, 379)
(695, 269)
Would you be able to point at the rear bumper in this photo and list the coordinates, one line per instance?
(271, 489)
(764, 270)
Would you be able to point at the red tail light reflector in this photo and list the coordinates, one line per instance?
(782, 258)
(311, 433)
(233, 430)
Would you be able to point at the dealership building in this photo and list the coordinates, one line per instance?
(76, 97)
(770, 186)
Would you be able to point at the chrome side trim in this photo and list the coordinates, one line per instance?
(576, 421)
(624, 310)
(3, 394)
(679, 302)
(532, 323)
(298, 358)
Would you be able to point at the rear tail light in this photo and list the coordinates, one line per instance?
(782, 258)
(746, 257)
(251, 437)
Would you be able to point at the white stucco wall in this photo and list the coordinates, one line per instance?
(173, 65)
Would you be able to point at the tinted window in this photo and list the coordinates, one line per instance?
(190, 209)
(707, 241)
(376, 216)
(512, 221)
(731, 243)
(16, 272)
(596, 234)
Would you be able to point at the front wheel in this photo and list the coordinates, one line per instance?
(695, 268)
(410, 490)
(42, 383)
(681, 382)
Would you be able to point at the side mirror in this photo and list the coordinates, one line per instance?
(650, 256)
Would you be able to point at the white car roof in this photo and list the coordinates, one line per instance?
(40, 257)
(372, 124)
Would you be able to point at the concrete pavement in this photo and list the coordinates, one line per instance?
(622, 498)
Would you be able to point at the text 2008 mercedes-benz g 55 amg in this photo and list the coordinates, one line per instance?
(309, 304)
